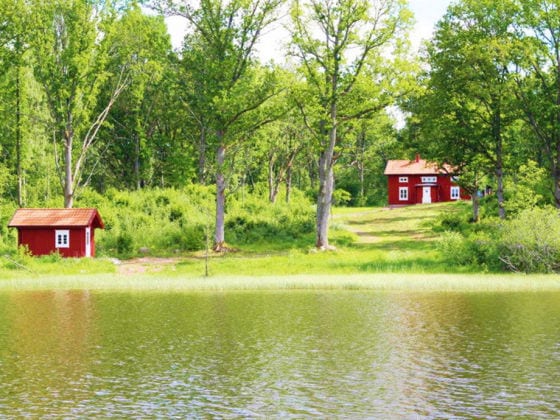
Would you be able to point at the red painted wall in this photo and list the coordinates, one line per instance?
(42, 241)
(439, 193)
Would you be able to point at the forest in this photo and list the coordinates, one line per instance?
(97, 106)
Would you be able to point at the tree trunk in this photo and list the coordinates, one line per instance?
(137, 161)
(202, 157)
(326, 186)
(272, 184)
(475, 206)
(219, 236)
(68, 178)
(19, 171)
(361, 172)
(324, 200)
(288, 184)
(499, 165)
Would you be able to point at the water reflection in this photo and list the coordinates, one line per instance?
(285, 354)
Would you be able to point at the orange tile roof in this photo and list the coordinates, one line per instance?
(415, 167)
(56, 218)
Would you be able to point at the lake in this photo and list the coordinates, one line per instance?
(288, 354)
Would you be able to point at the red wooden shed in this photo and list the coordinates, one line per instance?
(68, 231)
(419, 182)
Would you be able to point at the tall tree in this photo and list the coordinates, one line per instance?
(141, 44)
(468, 110)
(538, 77)
(219, 57)
(71, 64)
(337, 42)
(14, 44)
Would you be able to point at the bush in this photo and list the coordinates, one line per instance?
(166, 221)
(251, 219)
(474, 245)
(450, 222)
(341, 197)
(124, 244)
(531, 242)
(529, 189)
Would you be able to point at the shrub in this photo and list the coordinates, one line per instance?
(191, 238)
(124, 244)
(528, 190)
(341, 197)
(531, 242)
(454, 248)
(477, 249)
(450, 222)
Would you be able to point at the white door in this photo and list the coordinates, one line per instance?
(88, 242)
(426, 195)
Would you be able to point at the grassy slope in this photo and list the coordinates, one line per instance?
(397, 245)
(378, 240)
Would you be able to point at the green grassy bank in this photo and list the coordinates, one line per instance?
(389, 282)
(378, 249)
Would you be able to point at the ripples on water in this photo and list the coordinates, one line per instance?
(285, 354)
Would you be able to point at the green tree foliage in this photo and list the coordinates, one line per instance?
(538, 78)
(528, 189)
(140, 133)
(13, 48)
(467, 114)
(368, 146)
(340, 46)
(228, 86)
(70, 62)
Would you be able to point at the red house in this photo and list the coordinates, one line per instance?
(420, 182)
(68, 231)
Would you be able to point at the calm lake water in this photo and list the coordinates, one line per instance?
(280, 354)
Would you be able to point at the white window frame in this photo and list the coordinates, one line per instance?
(403, 193)
(455, 193)
(429, 179)
(62, 238)
(403, 179)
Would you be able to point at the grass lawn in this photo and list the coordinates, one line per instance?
(378, 249)
(368, 240)
(382, 282)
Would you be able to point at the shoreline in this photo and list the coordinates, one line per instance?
(382, 282)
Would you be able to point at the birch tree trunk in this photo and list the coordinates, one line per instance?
(19, 170)
(288, 184)
(68, 169)
(219, 235)
(324, 201)
(326, 183)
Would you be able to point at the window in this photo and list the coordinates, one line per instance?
(403, 193)
(62, 238)
(403, 179)
(429, 179)
(455, 193)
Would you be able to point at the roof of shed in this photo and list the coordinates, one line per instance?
(415, 167)
(56, 218)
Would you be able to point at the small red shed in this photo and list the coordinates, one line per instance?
(420, 182)
(68, 231)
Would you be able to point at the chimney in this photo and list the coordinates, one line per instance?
(417, 157)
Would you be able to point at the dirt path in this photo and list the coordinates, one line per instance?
(144, 265)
